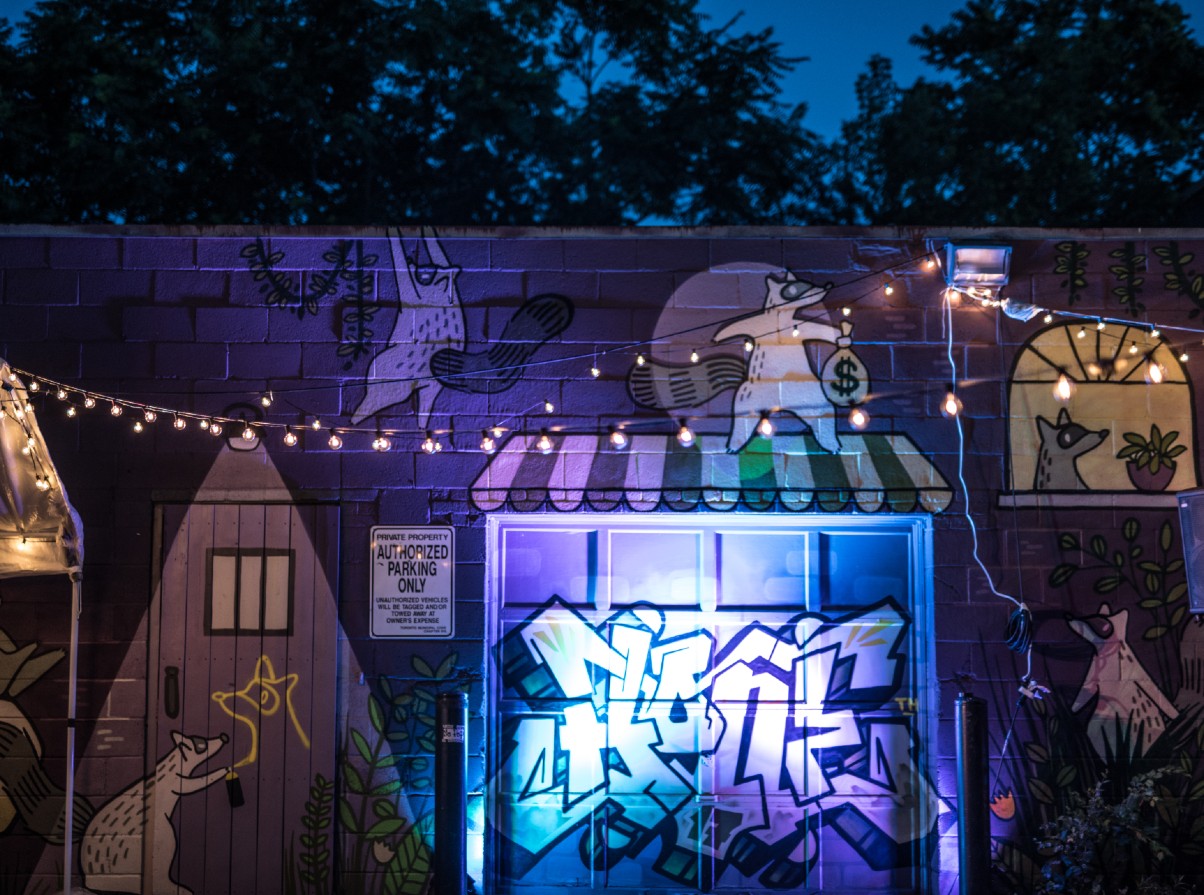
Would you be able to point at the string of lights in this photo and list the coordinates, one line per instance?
(76, 399)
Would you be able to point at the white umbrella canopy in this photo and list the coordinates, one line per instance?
(40, 534)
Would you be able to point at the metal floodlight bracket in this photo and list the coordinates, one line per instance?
(981, 266)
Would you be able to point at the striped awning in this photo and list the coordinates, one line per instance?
(872, 471)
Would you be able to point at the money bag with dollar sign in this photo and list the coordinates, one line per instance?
(845, 379)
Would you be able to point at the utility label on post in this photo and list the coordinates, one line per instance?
(453, 733)
(412, 575)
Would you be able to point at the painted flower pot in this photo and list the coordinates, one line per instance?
(1144, 480)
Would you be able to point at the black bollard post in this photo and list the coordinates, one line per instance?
(451, 794)
(973, 818)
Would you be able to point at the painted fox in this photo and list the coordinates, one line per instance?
(1062, 443)
(110, 856)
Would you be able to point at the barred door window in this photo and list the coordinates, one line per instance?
(249, 592)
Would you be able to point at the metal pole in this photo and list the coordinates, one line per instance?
(72, 684)
(451, 794)
(973, 819)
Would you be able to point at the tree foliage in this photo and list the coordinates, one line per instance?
(465, 111)
(595, 112)
(1052, 112)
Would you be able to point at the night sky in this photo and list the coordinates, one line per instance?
(837, 36)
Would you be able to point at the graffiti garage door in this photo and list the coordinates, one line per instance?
(697, 703)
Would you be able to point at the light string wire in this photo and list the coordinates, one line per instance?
(117, 399)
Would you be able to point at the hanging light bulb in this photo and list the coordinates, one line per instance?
(316, 425)
(18, 412)
(1183, 357)
(28, 407)
(266, 400)
(179, 423)
(951, 406)
(889, 289)
(953, 297)
(846, 310)
(543, 444)
(748, 346)
(204, 424)
(498, 431)
(548, 407)
(89, 402)
(794, 331)
(247, 433)
(334, 442)
(1154, 372)
(1048, 318)
(149, 415)
(858, 418)
(765, 426)
(42, 483)
(115, 409)
(215, 428)
(639, 360)
(594, 371)
(71, 410)
(1156, 333)
(930, 264)
(290, 437)
(1133, 348)
(685, 437)
(488, 445)
(429, 445)
(1101, 325)
(1063, 389)
(693, 357)
(34, 385)
(138, 425)
(618, 438)
(1082, 333)
(61, 394)
(380, 443)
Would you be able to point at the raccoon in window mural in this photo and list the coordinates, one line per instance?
(111, 853)
(1062, 443)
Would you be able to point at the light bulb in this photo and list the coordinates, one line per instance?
(488, 445)
(18, 412)
(89, 401)
(684, 436)
(71, 410)
(61, 394)
(429, 445)
(618, 438)
(115, 409)
(858, 418)
(953, 298)
(290, 437)
(179, 423)
(247, 434)
(548, 406)
(1133, 348)
(266, 400)
(930, 264)
(846, 310)
(1082, 333)
(150, 416)
(639, 360)
(34, 385)
(748, 345)
(1183, 357)
(543, 444)
(1154, 373)
(1063, 389)
(765, 426)
(316, 424)
(498, 431)
(951, 406)
(334, 442)
(1048, 318)
(204, 424)
(28, 407)
(594, 371)
(381, 444)
(138, 425)
(215, 428)
(794, 331)
(889, 289)
(693, 357)
(1156, 333)
(42, 483)
(1101, 326)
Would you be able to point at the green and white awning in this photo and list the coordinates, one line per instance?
(872, 471)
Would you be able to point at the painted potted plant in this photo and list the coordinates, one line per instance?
(1151, 461)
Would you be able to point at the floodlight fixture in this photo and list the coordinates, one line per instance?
(982, 266)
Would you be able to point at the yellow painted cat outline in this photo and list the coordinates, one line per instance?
(266, 702)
